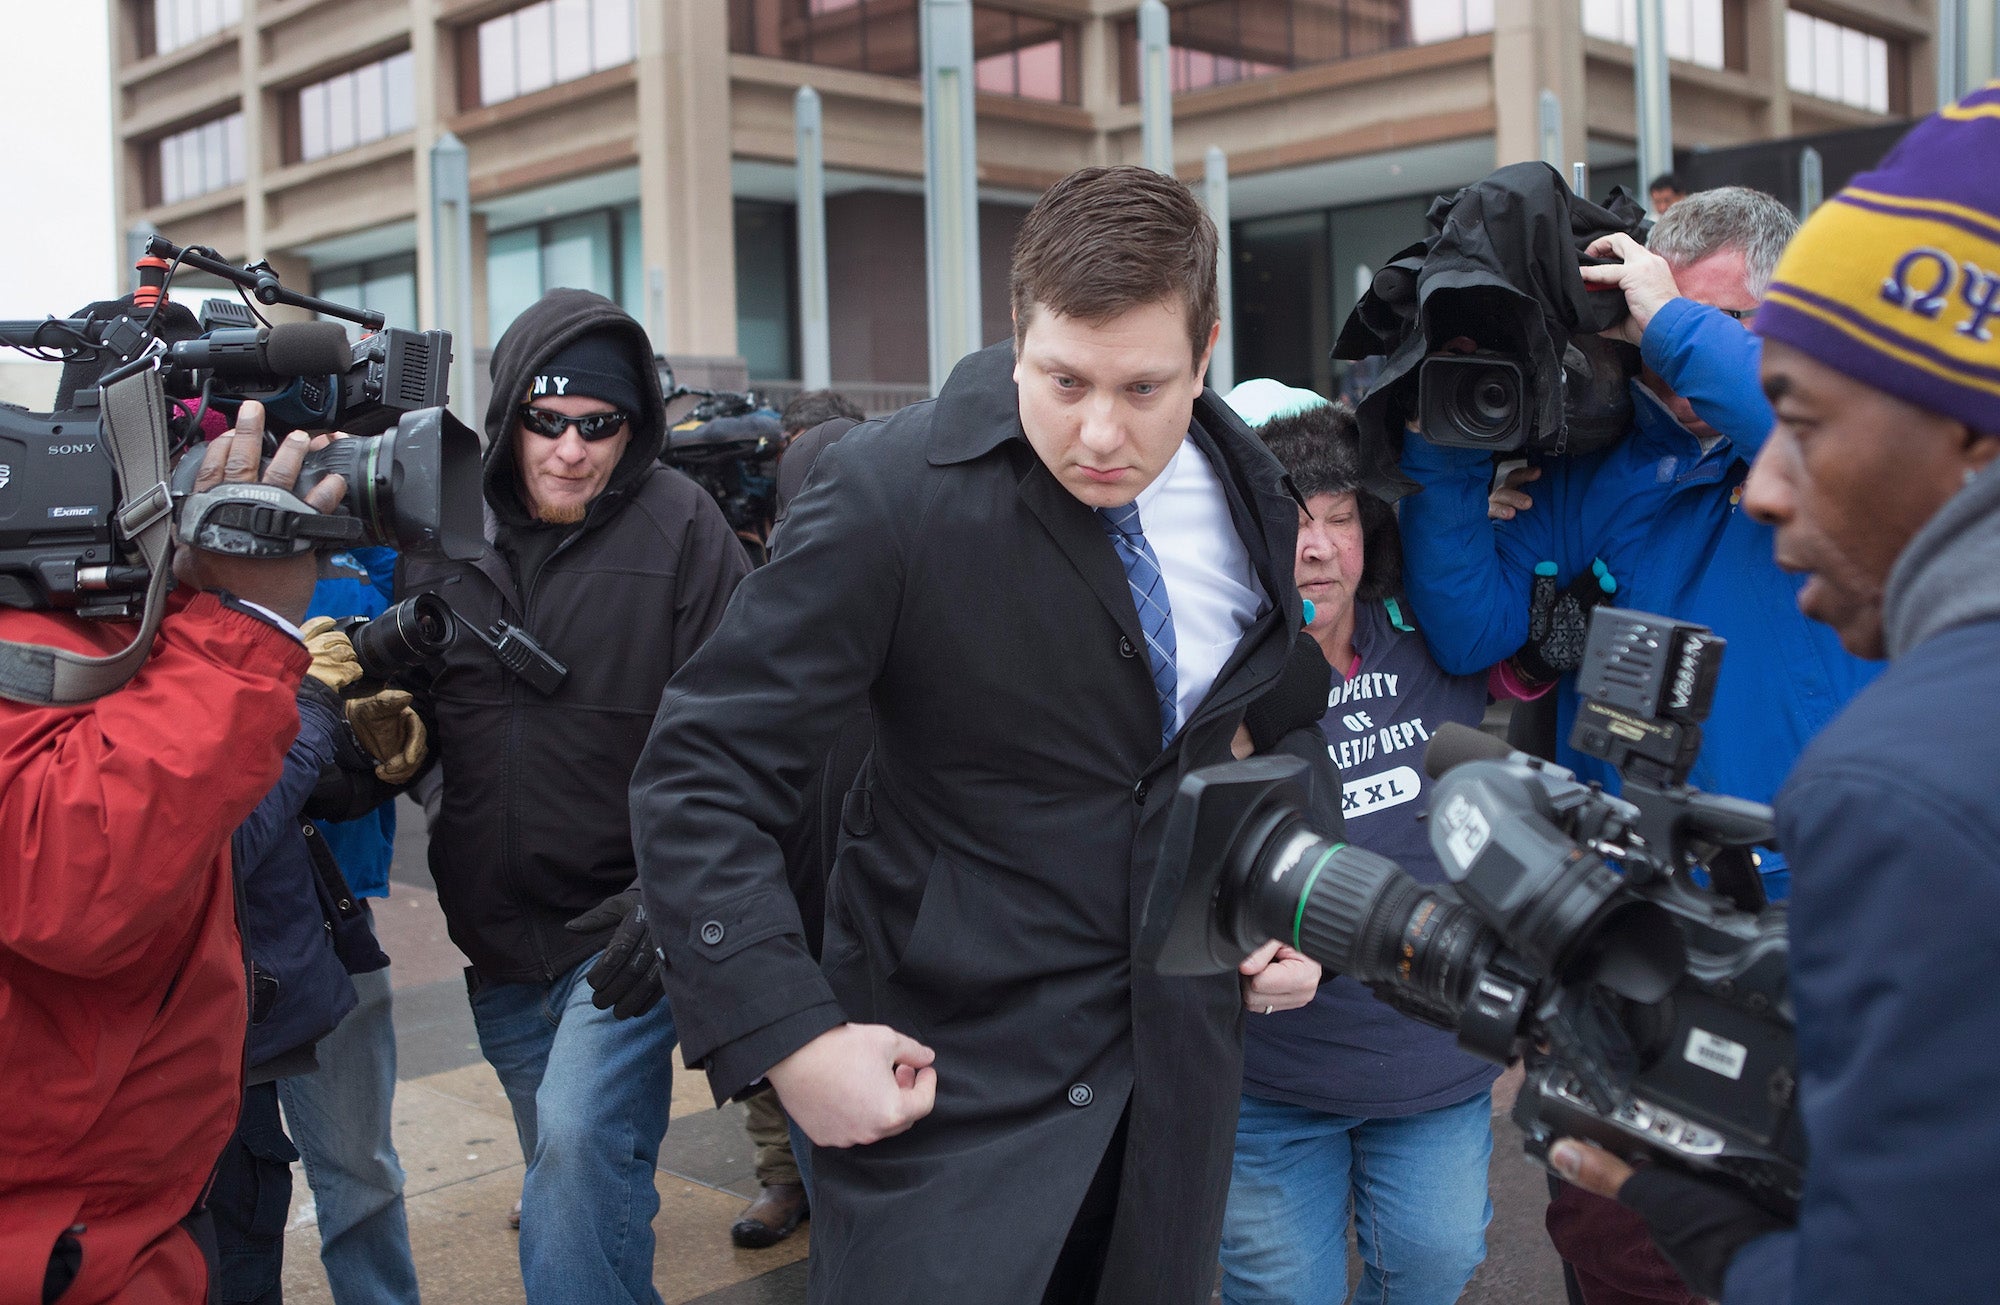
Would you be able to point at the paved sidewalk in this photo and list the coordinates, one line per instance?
(456, 1138)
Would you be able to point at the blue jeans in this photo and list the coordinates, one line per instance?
(590, 1095)
(1414, 1184)
(339, 1117)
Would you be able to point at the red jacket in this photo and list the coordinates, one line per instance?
(122, 1005)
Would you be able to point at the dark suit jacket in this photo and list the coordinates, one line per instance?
(988, 886)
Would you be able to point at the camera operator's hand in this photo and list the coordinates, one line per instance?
(856, 1084)
(1644, 277)
(1507, 498)
(627, 979)
(283, 585)
(388, 726)
(1276, 977)
(1697, 1224)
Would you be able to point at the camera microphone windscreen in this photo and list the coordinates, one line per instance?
(307, 349)
(287, 349)
(1454, 744)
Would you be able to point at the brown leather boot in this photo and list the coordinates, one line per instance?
(770, 1218)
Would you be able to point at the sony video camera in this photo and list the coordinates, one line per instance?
(1652, 1011)
(414, 484)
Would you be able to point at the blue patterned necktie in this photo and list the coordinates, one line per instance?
(1149, 597)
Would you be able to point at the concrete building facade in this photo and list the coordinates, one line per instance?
(644, 148)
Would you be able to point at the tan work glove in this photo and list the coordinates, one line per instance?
(392, 732)
(334, 663)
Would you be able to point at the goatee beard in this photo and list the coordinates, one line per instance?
(565, 514)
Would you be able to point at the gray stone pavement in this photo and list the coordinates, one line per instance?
(456, 1138)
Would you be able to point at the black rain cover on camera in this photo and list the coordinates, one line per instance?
(1514, 240)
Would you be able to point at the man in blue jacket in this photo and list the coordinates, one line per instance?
(1882, 486)
(1660, 508)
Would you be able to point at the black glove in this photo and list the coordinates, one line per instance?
(629, 978)
(1297, 699)
(1698, 1225)
(1559, 621)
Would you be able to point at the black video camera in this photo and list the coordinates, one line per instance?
(729, 445)
(1653, 1013)
(415, 486)
(1488, 336)
(1487, 398)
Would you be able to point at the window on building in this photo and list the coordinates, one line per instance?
(1216, 42)
(387, 285)
(597, 250)
(1836, 63)
(200, 159)
(1694, 27)
(535, 47)
(1026, 56)
(1447, 20)
(1031, 56)
(878, 36)
(176, 23)
(766, 284)
(369, 103)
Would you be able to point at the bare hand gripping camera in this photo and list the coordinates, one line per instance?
(88, 505)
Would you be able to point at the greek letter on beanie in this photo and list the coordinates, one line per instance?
(595, 366)
(1896, 280)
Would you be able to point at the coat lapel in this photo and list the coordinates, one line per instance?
(1076, 532)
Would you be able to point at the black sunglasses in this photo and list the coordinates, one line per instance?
(1738, 313)
(551, 425)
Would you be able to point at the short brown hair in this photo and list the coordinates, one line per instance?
(1103, 241)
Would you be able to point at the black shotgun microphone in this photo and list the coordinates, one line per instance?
(1454, 744)
(288, 349)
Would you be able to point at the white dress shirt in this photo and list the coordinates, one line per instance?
(1212, 590)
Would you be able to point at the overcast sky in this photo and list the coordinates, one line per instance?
(57, 247)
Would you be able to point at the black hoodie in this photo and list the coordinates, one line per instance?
(533, 829)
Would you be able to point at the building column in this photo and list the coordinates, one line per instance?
(1764, 61)
(1537, 46)
(1097, 78)
(686, 213)
(430, 82)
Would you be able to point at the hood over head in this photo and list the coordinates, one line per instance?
(549, 326)
(1949, 574)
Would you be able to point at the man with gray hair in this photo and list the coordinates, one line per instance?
(1660, 510)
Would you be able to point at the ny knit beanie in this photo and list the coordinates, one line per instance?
(596, 366)
(1895, 281)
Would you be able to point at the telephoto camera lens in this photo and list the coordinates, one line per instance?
(409, 635)
(1240, 864)
(1360, 915)
(415, 487)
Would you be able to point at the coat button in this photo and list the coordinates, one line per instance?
(711, 933)
(1125, 648)
(1139, 791)
(1079, 1094)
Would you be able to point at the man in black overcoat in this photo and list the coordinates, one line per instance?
(1007, 1105)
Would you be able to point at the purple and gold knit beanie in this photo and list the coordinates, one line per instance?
(1896, 280)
